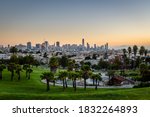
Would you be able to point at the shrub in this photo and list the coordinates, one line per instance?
(142, 84)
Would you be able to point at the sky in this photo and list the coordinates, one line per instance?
(118, 22)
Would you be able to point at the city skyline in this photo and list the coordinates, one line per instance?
(117, 22)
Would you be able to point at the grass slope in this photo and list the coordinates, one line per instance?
(34, 89)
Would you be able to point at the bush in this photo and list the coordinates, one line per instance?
(138, 78)
(142, 84)
(133, 74)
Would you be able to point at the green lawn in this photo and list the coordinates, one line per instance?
(34, 89)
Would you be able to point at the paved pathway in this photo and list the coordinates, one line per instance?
(123, 86)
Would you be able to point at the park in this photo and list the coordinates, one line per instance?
(23, 78)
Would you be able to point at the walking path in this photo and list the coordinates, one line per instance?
(101, 86)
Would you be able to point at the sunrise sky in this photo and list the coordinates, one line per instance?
(118, 22)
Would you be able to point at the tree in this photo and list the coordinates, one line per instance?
(53, 63)
(94, 56)
(20, 60)
(116, 63)
(29, 71)
(76, 66)
(124, 52)
(13, 50)
(85, 74)
(18, 70)
(110, 73)
(62, 76)
(145, 52)
(135, 48)
(29, 60)
(36, 63)
(45, 55)
(48, 76)
(142, 50)
(26, 67)
(74, 76)
(124, 57)
(64, 61)
(81, 63)
(143, 67)
(87, 58)
(96, 77)
(95, 66)
(11, 68)
(137, 62)
(103, 64)
(2, 67)
(88, 63)
(129, 51)
(146, 76)
(71, 65)
(13, 59)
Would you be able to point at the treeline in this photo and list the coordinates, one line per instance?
(72, 72)
(17, 64)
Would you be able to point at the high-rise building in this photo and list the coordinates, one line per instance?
(106, 46)
(57, 44)
(38, 46)
(29, 46)
(95, 46)
(83, 42)
(46, 45)
(88, 46)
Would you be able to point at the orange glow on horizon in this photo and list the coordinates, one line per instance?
(14, 38)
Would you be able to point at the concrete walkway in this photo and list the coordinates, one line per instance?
(106, 86)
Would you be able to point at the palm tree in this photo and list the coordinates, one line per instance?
(46, 57)
(96, 77)
(29, 71)
(74, 76)
(135, 48)
(129, 51)
(18, 69)
(85, 74)
(48, 76)
(142, 50)
(145, 53)
(124, 57)
(25, 67)
(13, 50)
(11, 68)
(62, 76)
(2, 67)
(124, 52)
(71, 65)
(53, 63)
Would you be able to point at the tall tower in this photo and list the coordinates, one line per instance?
(83, 42)
(88, 46)
(95, 46)
(46, 45)
(106, 46)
